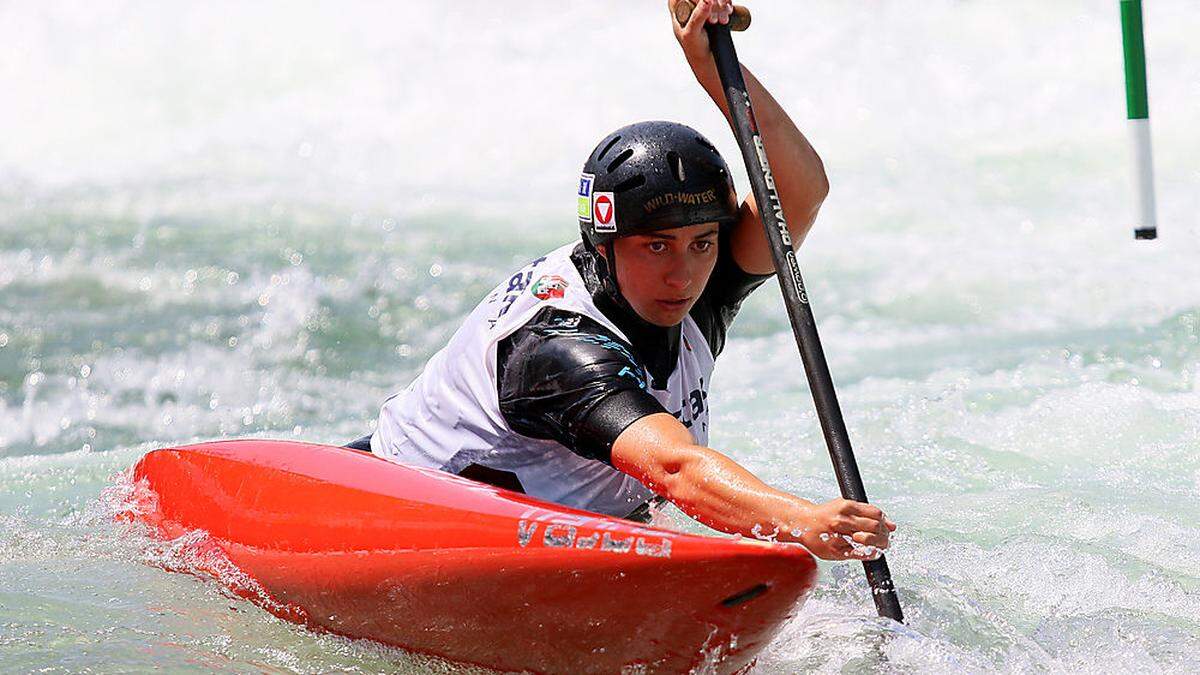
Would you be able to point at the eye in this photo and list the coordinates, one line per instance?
(703, 246)
(657, 246)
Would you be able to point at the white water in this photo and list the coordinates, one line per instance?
(225, 221)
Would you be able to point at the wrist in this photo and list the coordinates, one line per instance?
(705, 71)
(798, 521)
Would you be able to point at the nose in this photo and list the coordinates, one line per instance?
(679, 275)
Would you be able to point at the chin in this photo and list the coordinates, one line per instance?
(667, 320)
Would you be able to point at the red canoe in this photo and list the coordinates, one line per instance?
(350, 543)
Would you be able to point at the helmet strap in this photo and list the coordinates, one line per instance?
(610, 277)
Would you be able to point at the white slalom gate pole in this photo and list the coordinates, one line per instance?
(1138, 112)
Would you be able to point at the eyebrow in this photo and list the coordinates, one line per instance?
(660, 235)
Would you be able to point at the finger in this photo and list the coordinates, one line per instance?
(865, 510)
(862, 550)
(867, 547)
(870, 511)
(725, 11)
(867, 553)
(830, 553)
(718, 10)
(699, 17)
(870, 539)
(832, 547)
(890, 525)
(852, 524)
(689, 24)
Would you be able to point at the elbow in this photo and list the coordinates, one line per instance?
(805, 196)
(820, 182)
(666, 477)
(681, 476)
(818, 190)
(822, 187)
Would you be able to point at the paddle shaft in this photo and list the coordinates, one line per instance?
(804, 326)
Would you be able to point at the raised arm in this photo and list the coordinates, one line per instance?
(715, 490)
(797, 169)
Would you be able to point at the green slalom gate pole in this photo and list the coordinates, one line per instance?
(1138, 112)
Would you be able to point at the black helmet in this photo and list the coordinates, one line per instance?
(653, 176)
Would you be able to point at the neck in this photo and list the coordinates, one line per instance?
(656, 346)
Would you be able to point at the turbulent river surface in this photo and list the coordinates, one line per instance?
(224, 221)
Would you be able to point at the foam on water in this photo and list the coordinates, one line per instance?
(223, 221)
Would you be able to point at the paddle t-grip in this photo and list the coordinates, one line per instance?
(738, 21)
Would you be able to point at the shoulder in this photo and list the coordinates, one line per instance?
(565, 376)
(559, 344)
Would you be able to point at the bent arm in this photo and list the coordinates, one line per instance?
(715, 490)
(799, 178)
(796, 167)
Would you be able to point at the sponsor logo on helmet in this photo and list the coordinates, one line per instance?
(686, 198)
(584, 197)
(604, 210)
(549, 286)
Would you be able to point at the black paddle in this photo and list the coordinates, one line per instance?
(804, 326)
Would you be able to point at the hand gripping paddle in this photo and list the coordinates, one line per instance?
(804, 326)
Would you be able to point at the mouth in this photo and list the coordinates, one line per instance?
(674, 304)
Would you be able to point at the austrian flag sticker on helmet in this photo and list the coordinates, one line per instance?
(605, 212)
(584, 198)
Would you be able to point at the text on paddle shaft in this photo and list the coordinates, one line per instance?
(775, 205)
(780, 223)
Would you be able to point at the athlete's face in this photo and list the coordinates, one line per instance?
(662, 274)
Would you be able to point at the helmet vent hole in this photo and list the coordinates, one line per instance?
(620, 159)
(608, 147)
(630, 183)
(676, 163)
(704, 141)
